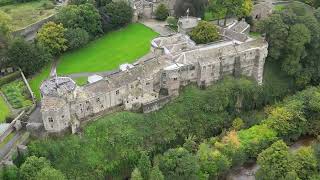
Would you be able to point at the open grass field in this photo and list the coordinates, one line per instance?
(109, 51)
(4, 110)
(24, 14)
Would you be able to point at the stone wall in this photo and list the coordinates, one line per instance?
(30, 31)
(156, 104)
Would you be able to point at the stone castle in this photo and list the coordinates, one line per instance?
(150, 83)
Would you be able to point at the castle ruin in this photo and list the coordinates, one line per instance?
(148, 84)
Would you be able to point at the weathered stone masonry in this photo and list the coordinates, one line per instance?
(149, 84)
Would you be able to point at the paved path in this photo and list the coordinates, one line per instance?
(158, 26)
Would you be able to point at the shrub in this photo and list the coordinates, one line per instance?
(76, 38)
(9, 78)
(172, 22)
(204, 32)
(120, 14)
(162, 12)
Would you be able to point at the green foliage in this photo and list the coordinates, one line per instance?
(156, 174)
(84, 16)
(136, 175)
(190, 144)
(237, 124)
(295, 43)
(204, 33)
(162, 12)
(29, 57)
(196, 7)
(76, 38)
(144, 165)
(51, 36)
(277, 152)
(5, 111)
(276, 162)
(5, 26)
(179, 164)
(120, 14)
(9, 172)
(32, 166)
(172, 22)
(49, 173)
(10, 77)
(17, 94)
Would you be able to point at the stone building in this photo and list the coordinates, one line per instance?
(147, 85)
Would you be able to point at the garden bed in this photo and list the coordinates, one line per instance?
(17, 94)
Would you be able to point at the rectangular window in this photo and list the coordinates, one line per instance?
(175, 79)
(117, 92)
(50, 119)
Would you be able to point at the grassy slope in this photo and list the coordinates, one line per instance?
(36, 81)
(4, 110)
(23, 14)
(109, 51)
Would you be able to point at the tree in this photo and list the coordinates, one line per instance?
(49, 173)
(212, 162)
(136, 175)
(29, 57)
(51, 36)
(298, 37)
(233, 8)
(84, 16)
(76, 38)
(237, 124)
(144, 165)
(10, 172)
(32, 166)
(162, 12)
(190, 144)
(5, 28)
(156, 174)
(196, 7)
(120, 13)
(277, 41)
(278, 152)
(172, 22)
(179, 164)
(305, 162)
(204, 32)
(216, 10)
(246, 8)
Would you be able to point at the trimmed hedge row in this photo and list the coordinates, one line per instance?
(11, 77)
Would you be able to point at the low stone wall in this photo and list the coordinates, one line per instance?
(156, 104)
(11, 127)
(29, 32)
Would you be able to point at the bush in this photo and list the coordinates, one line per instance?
(76, 38)
(204, 33)
(120, 14)
(162, 12)
(7, 79)
(172, 22)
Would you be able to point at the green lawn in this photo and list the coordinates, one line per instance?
(36, 81)
(109, 51)
(4, 110)
(81, 81)
(24, 14)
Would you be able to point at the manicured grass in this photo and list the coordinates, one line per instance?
(36, 81)
(81, 81)
(17, 94)
(4, 110)
(279, 7)
(109, 51)
(254, 34)
(24, 14)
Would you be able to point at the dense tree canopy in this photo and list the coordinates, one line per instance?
(76, 38)
(293, 35)
(51, 36)
(84, 16)
(29, 57)
(120, 14)
(204, 33)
